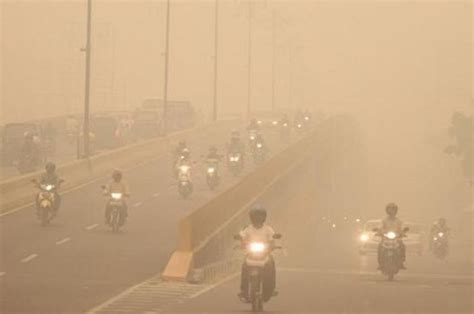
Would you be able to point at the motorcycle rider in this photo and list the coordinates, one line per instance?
(213, 156)
(179, 149)
(284, 120)
(437, 227)
(117, 185)
(253, 126)
(392, 223)
(259, 231)
(51, 177)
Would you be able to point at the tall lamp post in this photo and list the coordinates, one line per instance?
(216, 37)
(165, 87)
(249, 73)
(86, 130)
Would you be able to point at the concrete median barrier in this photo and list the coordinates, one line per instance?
(205, 235)
(19, 191)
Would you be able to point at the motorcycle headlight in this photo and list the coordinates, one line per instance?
(285, 124)
(259, 121)
(49, 187)
(391, 235)
(116, 196)
(257, 247)
(274, 122)
(211, 170)
(299, 126)
(184, 169)
(252, 137)
(364, 237)
(440, 234)
(306, 118)
(259, 145)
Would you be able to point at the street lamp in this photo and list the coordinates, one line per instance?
(165, 87)
(86, 128)
(216, 37)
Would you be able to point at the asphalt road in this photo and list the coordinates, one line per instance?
(77, 262)
(320, 271)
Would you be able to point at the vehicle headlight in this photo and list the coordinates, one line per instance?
(259, 121)
(285, 124)
(49, 187)
(184, 169)
(440, 234)
(259, 145)
(306, 118)
(391, 235)
(211, 170)
(257, 247)
(274, 122)
(116, 196)
(364, 237)
(252, 137)
(299, 126)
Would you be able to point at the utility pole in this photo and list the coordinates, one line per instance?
(216, 37)
(273, 57)
(86, 128)
(249, 79)
(165, 87)
(290, 76)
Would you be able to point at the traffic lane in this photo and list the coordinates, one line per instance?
(151, 235)
(65, 152)
(306, 291)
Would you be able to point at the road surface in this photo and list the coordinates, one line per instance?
(76, 262)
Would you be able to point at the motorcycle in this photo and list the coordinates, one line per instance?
(212, 176)
(257, 255)
(252, 139)
(116, 206)
(390, 252)
(284, 130)
(27, 163)
(185, 185)
(45, 200)
(440, 245)
(234, 163)
(259, 153)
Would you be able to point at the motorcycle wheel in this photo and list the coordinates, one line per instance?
(45, 217)
(115, 220)
(390, 276)
(255, 295)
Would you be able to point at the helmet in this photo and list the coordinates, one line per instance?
(185, 153)
(50, 167)
(391, 209)
(257, 215)
(117, 175)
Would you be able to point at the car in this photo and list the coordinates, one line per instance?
(367, 240)
(268, 118)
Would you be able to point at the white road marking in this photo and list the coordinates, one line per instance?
(137, 204)
(92, 226)
(29, 258)
(2, 273)
(221, 282)
(63, 241)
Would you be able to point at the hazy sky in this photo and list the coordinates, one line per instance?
(402, 67)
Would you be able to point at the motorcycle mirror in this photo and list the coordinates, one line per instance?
(237, 237)
(406, 229)
(277, 236)
(102, 187)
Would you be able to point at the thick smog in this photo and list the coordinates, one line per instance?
(236, 156)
